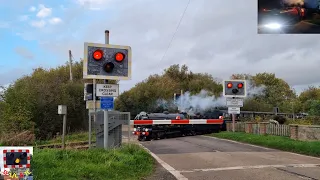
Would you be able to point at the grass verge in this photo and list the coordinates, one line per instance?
(75, 137)
(276, 142)
(128, 162)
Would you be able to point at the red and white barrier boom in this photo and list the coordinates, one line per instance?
(176, 121)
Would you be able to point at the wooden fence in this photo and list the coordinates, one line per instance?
(278, 130)
(294, 131)
(271, 129)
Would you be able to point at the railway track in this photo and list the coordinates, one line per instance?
(72, 145)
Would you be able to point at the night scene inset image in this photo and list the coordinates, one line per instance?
(289, 16)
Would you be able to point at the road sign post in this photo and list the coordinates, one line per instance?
(62, 109)
(235, 92)
(233, 109)
(105, 62)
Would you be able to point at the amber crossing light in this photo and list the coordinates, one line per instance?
(17, 161)
(229, 85)
(97, 55)
(119, 56)
(109, 67)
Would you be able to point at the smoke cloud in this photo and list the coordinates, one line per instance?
(204, 101)
(199, 102)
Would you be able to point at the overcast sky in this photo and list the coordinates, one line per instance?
(216, 37)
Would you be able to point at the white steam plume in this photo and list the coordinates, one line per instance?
(253, 90)
(203, 101)
(199, 102)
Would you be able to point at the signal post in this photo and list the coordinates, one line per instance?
(105, 62)
(235, 92)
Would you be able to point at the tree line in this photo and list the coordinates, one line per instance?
(31, 102)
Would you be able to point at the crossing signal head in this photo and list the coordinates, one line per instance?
(104, 61)
(16, 158)
(234, 88)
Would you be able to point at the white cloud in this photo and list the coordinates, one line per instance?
(38, 24)
(44, 11)
(32, 9)
(94, 4)
(55, 20)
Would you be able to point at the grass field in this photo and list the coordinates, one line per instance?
(129, 162)
(276, 142)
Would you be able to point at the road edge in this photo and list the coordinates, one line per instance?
(166, 166)
(260, 147)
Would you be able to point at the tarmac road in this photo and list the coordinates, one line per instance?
(302, 27)
(206, 158)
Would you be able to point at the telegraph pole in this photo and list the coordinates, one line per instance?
(70, 64)
(106, 39)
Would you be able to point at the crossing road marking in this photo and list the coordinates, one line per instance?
(253, 167)
(169, 168)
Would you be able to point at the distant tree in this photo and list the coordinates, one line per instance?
(309, 99)
(277, 92)
(31, 102)
(314, 109)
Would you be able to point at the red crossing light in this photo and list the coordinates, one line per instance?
(229, 85)
(240, 85)
(97, 55)
(119, 56)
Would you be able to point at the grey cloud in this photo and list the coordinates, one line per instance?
(217, 37)
(24, 52)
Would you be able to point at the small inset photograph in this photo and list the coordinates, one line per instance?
(288, 16)
(15, 162)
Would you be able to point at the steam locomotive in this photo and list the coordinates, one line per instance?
(161, 131)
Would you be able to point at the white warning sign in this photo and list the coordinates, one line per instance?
(107, 90)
